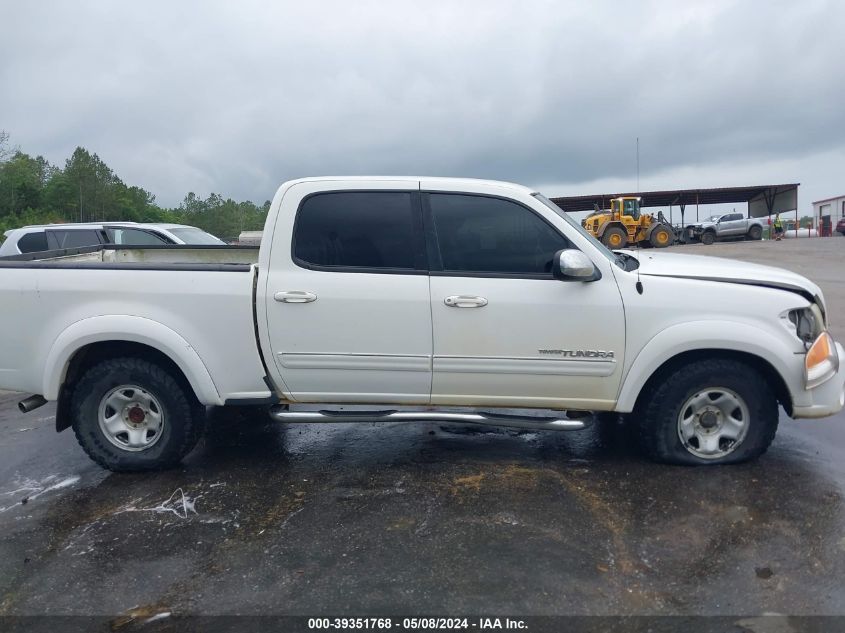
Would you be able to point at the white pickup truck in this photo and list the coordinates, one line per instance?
(415, 299)
(728, 226)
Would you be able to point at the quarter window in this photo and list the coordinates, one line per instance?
(33, 242)
(356, 229)
(478, 234)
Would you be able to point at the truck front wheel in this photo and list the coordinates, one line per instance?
(615, 238)
(708, 237)
(661, 236)
(131, 414)
(716, 411)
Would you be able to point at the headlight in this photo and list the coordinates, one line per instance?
(821, 362)
(808, 326)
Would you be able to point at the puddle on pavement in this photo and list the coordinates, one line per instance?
(596, 527)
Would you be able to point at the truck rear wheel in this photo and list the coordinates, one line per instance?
(131, 414)
(708, 237)
(614, 237)
(755, 232)
(716, 411)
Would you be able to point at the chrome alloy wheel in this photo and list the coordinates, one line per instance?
(713, 422)
(131, 418)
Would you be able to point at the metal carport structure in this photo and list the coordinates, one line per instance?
(762, 200)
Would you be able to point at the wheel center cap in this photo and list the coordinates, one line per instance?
(136, 415)
(709, 420)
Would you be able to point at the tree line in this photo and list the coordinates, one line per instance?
(85, 189)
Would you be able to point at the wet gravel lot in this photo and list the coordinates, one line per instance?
(265, 518)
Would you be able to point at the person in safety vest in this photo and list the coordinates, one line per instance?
(778, 224)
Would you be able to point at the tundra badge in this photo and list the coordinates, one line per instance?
(577, 353)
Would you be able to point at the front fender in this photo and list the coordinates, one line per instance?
(134, 329)
(707, 335)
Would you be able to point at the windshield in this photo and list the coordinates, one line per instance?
(632, 208)
(195, 236)
(568, 219)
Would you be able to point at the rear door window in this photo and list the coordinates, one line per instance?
(135, 237)
(372, 230)
(74, 238)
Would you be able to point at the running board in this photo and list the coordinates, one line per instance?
(282, 413)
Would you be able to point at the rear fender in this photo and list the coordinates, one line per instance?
(127, 328)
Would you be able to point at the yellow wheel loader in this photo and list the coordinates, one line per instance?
(624, 224)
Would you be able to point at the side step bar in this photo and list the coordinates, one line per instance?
(283, 413)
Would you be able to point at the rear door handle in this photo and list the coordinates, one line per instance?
(465, 301)
(295, 296)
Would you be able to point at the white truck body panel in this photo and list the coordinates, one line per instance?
(721, 269)
(511, 353)
(201, 320)
(365, 337)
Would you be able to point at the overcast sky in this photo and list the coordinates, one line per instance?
(236, 97)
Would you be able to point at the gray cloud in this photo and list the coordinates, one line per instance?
(237, 97)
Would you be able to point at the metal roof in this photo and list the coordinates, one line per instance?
(677, 197)
(828, 199)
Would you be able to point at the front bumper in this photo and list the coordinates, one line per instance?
(826, 399)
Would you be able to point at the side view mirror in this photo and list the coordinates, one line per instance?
(572, 265)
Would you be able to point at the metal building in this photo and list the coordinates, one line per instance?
(828, 212)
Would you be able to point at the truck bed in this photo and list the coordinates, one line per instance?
(146, 257)
(202, 295)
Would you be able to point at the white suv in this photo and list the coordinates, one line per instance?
(48, 237)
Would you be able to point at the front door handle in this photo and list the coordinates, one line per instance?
(465, 301)
(295, 296)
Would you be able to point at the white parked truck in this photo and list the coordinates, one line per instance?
(729, 226)
(415, 299)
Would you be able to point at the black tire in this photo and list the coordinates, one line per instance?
(611, 234)
(661, 236)
(659, 410)
(183, 415)
(708, 237)
(755, 232)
